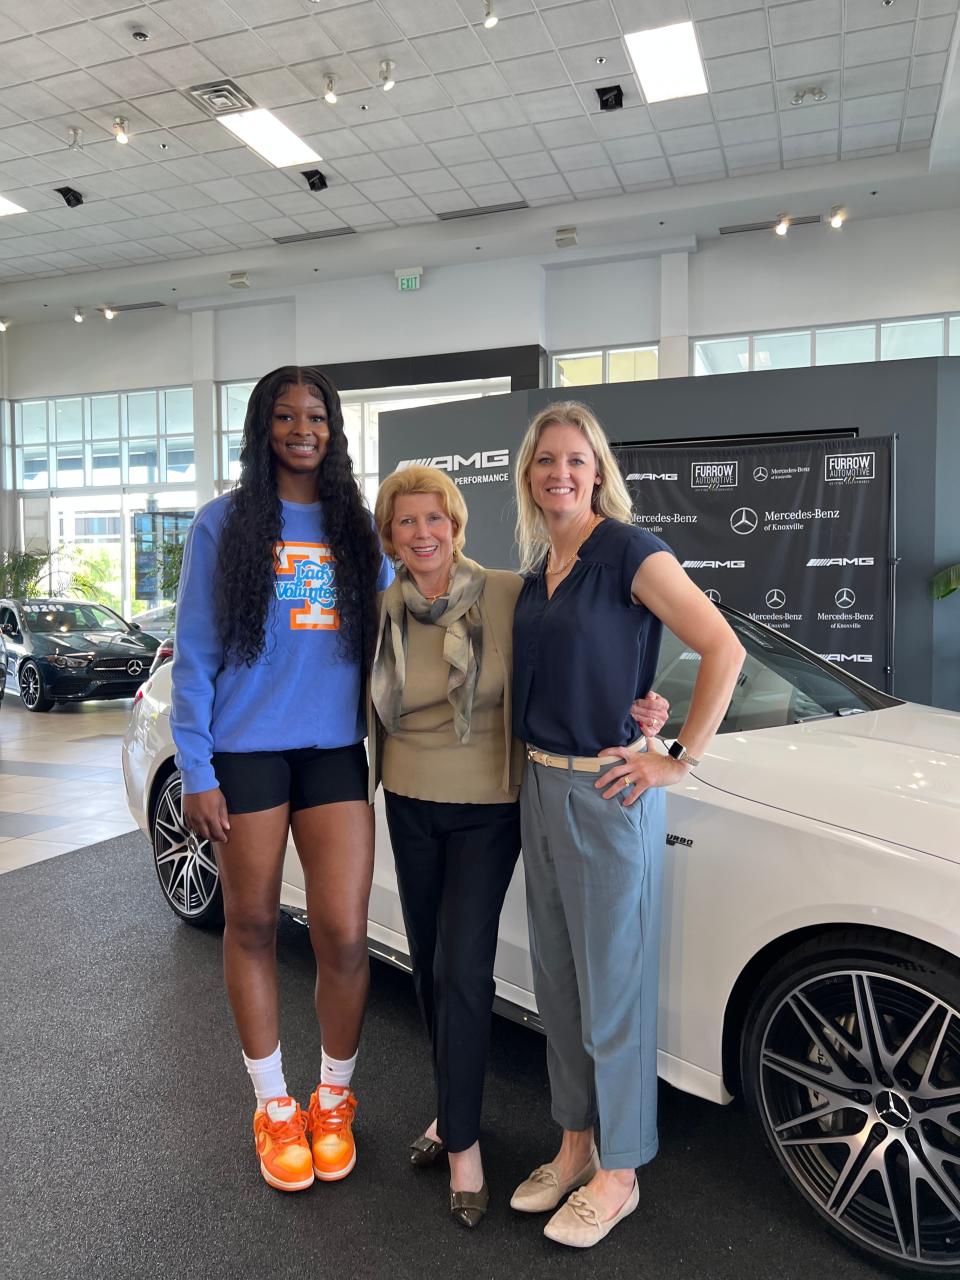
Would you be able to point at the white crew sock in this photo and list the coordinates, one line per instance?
(267, 1076)
(336, 1071)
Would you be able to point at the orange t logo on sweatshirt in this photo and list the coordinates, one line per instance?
(307, 571)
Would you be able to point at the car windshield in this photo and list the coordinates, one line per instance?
(52, 618)
(779, 684)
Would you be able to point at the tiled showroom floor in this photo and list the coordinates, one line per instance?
(60, 782)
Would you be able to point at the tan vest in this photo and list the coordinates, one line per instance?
(423, 758)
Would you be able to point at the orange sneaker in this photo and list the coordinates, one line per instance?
(331, 1137)
(279, 1131)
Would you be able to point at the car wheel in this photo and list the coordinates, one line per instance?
(851, 1066)
(186, 867)
(32, 693)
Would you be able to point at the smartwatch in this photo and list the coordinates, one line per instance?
(680, 752)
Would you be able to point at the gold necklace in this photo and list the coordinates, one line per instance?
(445, 591)
(564, 564)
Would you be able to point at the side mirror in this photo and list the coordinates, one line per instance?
(134, 626)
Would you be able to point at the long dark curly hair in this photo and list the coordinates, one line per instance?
(253, 524)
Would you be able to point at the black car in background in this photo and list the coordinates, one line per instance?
(71, 650)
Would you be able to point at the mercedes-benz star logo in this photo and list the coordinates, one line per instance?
(135, 667)
(893, 1109)
(712, 594)
(775, 599)
(845, 598)
(760, 473)
(744, 520)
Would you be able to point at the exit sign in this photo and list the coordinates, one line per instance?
(408, 279)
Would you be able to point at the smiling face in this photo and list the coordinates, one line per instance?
(299, 431)
(422, 534)
(563, 472)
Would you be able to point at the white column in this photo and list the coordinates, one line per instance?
(674, 316)
(9, 522)
(204, 404)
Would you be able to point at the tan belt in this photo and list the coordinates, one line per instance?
(580, 764)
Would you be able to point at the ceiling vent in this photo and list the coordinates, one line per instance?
(768, 226)
(221, 97)
(565, 237)
(238, 280)
(315, 235)
(453, 214)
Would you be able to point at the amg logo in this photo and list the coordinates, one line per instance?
(485, 460)
(849, 466)
(714, 564)
(840, 561)
(847, 657)
(672, 839)
(653, 475)
(714, 475)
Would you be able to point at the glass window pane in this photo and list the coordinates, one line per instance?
(178, 411)
(781, 350)
(910, 339)
(953, 348)
(33, 468)
(580, 370)
(369, 486)
(104, 417)
(32, 422)
(142, 413)
(235, 397)
(638, 365)
(68, 419)
(352, 426)
(180, 461)
(722, 355)
(106, 464)
(69, 465)
(371, 443)
(847, 346)
(142, 462)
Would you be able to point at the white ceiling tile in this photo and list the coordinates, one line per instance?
(182, 67)
(315, 220)
(361, 168)
(805, 145)
(418, 17)
(362, 26)
(533, 165)
(636, 172)
(276, 226)
(581, 60)
(869, 14)
(516, 37)
(27, 171)
(637, 15)
(199, 21)
(933, 8)
(645, 147)
(29, 58)
(129, 78)
(238, 161)
(572, 25)
(308, 117)
(407, 160)
(816, 119)
(84, 44)
(107, 186)
(512, 142)
(474, 84)
(207, 135)
(880, 77)
(77, 89)
(739, 70)
(7, 116)
(701, 137)
(878, 45)
(682, 112)
(622, 124)
(478, 174)
(923, 102)
(336, 143)
(829, 81)
(166, 245)
(566, 133)
(700, 164)
(205, 240)
(28, 140)
(873, 109)
(500, 113)
(258, 13)
(386, 133)
(421, 94)
(269, 184)
(435, 126)
(857, 137)
(806, 20)
(36, 16)
(736, 103)
(215, 216)
(750, 129)
(368, 60)
(248, 236)
(298, 41)
(539, 71)
(253, 210)
(749, 155)
(170, 109)
(275, 88)
(446, 201)
(383, 189)
(347, 76)
(807, 57)
(582, 157)
(459, 151)
(551, 104)
(928, 70)
(551, 185)
(143, 206)
(918, 129)
(364, 215)
(737, 33)
(193, 169)
(407, 209)
(239, 54)
(224, 190)
(120, 27)
(588, 181)
(431, 180)
(718, 8)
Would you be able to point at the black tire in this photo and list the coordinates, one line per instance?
(850, 1060)
(185, 866)
(32, 693)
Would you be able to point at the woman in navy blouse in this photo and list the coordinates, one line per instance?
(586, 641)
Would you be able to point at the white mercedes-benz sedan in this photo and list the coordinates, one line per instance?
(811, 940)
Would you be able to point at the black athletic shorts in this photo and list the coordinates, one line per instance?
(255, 780)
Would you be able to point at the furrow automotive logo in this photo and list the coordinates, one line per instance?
(744, 520)
(483, 460)
(714, 475)
(714, 564)
(653, 475)
(839, 562)
(849, 468)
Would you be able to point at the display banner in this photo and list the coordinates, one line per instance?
(795, 535)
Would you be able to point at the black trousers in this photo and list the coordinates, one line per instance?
(454, 863)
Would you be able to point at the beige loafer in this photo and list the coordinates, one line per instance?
(578, 1223)
(544, 1190)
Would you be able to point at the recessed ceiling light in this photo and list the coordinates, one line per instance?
(121, 130)
(387, 80)
(667, 62)
(140, 36)
(7, 206)
(268, 137)
(330, 90)
(601, 60)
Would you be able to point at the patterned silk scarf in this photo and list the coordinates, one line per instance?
(459, 614)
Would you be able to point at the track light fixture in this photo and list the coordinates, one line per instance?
(121, 130)
(74, 138)
(78, 315)
(330, 91)
(387, 80)
(783, 225)
(815, 94)
(4, 326)
(490, 19)
(108, 313)
(838, 217)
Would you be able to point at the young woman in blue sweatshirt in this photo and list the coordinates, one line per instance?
(275, 626)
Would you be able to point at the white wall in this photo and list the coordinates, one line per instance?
(250, 340)
(607, 305)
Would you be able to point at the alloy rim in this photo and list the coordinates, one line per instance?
(860, 1088)
(30, 686)
(187, 870)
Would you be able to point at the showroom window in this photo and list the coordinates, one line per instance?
(608, 364)
(833, 344)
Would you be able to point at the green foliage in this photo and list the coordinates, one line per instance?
(945, 582)
(93, 574)
(21, 571)
(171, 566)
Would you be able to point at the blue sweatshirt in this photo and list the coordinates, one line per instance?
(301, 692)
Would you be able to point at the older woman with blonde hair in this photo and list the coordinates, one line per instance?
(441, 740)
(586, 639)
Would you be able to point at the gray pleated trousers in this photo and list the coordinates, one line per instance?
(593, 871)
